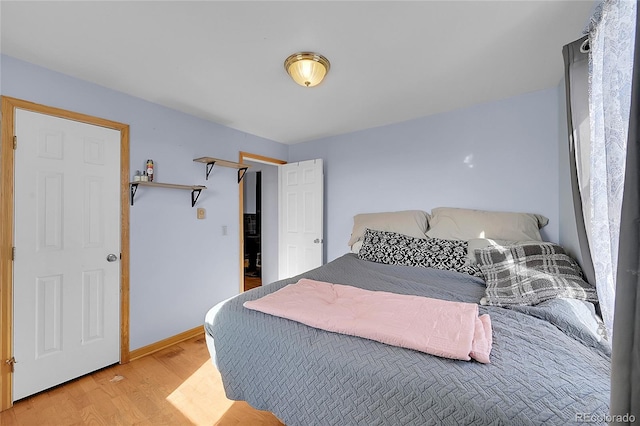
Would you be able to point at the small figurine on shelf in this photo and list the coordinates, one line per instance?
(144, 177)
(150, 170)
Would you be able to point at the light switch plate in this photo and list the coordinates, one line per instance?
(201, 213)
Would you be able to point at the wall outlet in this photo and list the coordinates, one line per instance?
(201, 213)
(224, 230)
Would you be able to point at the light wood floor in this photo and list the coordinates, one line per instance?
(251, 282)
(176, 386)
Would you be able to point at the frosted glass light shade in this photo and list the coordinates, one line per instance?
(307, 68)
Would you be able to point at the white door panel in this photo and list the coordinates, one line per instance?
(301, 217)
(67, 220)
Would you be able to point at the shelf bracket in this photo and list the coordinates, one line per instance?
(241, 173)
(195, 194)
(209, 168)
(133, 188)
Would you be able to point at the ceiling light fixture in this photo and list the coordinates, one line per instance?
(307, 68)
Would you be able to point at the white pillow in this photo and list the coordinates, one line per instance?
(409, 222)
(465, 224)
(355, 248)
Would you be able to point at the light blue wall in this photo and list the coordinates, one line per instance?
(180, 266)
(496, 156)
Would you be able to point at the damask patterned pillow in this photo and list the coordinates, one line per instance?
(397, 249)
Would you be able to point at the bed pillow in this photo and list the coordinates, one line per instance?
(392, 248)
(478, 243)
(464, 224)
(530, 273)
(409, 222)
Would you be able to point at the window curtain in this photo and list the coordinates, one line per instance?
(625, 361)
(611, 40)
(576, 65)
(605, 166)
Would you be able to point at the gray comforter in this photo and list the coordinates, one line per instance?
(548, 363)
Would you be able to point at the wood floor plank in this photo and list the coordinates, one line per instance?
(65, 411)
(175, 386)
(128, 412)
(8, 418)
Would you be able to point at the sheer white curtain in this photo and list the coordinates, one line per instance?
(612, 40)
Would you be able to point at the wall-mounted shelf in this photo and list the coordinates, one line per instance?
(195, 189)
(210, 162)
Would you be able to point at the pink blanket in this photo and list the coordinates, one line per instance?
(438, 327)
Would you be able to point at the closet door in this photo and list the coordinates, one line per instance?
(66, 284)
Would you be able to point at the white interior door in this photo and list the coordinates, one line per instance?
(301, 217)
(67, 222)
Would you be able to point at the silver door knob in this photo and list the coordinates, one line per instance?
(112, 257)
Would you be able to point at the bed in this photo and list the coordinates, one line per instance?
(549, 363)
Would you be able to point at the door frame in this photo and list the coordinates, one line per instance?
(7, 167)
(242, 156)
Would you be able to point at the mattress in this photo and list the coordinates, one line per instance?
(548, 362)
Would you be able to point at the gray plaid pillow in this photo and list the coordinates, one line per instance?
(530, 273)
(392, 248)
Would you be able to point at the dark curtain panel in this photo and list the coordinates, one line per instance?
(625, 371)
(576, 65)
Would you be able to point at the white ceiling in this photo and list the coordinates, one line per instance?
(391, 61)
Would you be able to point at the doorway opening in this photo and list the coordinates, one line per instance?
(252, 230)
(258, 221)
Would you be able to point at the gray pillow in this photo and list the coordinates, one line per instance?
(530, 273)
(392, 248)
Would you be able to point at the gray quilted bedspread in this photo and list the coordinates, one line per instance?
(547, 364)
